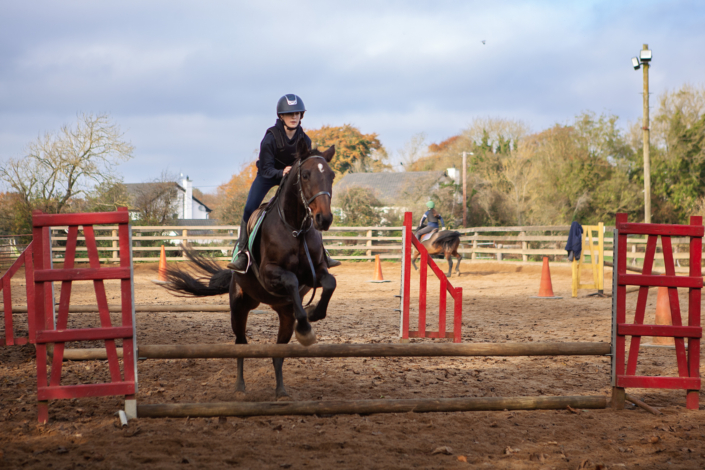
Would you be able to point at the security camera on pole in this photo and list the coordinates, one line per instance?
(644, 59)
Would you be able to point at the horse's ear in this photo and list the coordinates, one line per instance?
(328, 154)
(302, 149)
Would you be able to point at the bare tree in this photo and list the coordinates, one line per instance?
(63, 166)
(412, 150)
(157, 201)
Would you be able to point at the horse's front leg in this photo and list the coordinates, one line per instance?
(414, 257)
(286, 329)
(318, 311)
(278, 279)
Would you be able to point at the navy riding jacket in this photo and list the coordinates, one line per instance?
(272, 161)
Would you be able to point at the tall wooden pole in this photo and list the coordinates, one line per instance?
(645, 127)
(465, 186)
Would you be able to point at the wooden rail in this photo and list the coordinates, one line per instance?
(329, 407)
(231, 351)
(521, 243)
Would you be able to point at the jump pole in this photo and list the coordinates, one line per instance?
(205, 410)
(232, 351)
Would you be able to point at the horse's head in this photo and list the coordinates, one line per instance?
(316, 180)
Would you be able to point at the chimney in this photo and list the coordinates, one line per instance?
(188, 198)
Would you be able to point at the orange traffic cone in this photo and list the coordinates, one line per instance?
(546, 289)
(663, 316)
(162, 265)
(378, 271)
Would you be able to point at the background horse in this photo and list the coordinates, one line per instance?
(445, 242)
(288, 260)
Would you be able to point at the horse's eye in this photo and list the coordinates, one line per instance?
(305, 174)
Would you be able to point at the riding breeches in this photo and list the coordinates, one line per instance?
(259, 189)
(425, 230)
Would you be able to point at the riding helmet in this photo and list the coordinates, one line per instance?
(290, 104)
(430, 204)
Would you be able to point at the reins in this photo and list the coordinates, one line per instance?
(307, 218)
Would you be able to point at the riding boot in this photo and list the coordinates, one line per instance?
(242, 261)
(332, 263)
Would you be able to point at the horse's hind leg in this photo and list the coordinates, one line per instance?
(240, 306)
(414, 257)
(450, 264)
(459, 257)
(286, 329)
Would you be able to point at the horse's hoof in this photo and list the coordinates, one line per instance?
(306, 339)
(240, 396)
(310, 309)
(284, 397)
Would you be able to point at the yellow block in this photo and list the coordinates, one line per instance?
(594, 246)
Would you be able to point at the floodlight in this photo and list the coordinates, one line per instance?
(636, 63)
(645, 55)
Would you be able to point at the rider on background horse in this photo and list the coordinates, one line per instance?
(431, 218)
(276, 155)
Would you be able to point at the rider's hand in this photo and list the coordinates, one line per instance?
(287, 170)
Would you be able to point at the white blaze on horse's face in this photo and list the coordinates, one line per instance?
(320, 167)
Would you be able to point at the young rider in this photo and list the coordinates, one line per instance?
(277, 154)
(431, 217)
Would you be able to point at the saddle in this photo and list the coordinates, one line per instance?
(428, 235)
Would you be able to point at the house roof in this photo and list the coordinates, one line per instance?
(390, 187)
(135, 189)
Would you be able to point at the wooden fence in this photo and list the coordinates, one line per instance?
(524, 243)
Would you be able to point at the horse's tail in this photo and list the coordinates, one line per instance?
(208, 278)
(447, 240)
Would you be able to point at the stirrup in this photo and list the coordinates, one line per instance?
(231, 266)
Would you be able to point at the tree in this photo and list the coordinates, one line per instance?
(58, 169)
(156, 201)
(359, 205)
(232, 195)
(354, 151)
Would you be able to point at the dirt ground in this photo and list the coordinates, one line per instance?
(497, 307)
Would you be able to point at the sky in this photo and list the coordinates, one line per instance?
(194, 85)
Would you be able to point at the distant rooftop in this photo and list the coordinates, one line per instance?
(390, 188)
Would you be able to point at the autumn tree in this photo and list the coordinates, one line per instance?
(232, 195)
(354, 151)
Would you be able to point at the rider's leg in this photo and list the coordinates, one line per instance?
(332, 263)
(424, 231)
(258, 190)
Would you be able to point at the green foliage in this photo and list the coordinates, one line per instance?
(359, 207)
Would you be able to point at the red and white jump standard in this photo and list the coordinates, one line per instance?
(688, 364)
(409, 240)
(53, 329)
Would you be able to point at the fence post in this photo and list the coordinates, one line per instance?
(369, 243)
(474, 247)
(524, 247)
(115, 245)
(499, 255)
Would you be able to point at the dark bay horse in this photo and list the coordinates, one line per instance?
(445, 242)
(288, 260)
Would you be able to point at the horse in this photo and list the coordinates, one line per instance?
(287, 261)
(445, 242)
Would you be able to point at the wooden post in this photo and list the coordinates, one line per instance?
(575, 265)
(524, 247)
(369, 243)
(115, 245)
(645, 127)
(474, 247)
(465, 194)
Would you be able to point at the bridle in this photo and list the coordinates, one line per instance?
(308, 218)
